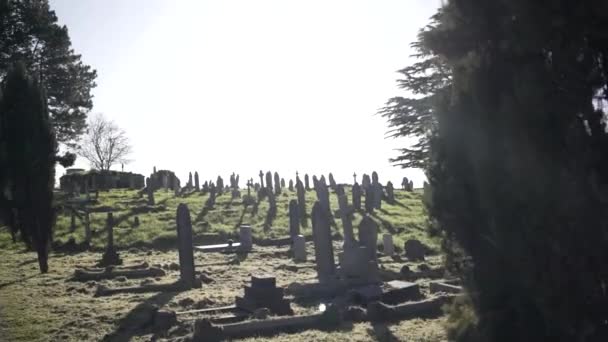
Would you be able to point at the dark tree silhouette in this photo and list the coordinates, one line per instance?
(29, 33)
(27, 162)
(517, 162)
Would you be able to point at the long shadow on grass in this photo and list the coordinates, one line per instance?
(138, 321)
(381, 332)
(386, 224)
(17, 281)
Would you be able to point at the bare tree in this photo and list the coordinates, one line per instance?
(104, 144)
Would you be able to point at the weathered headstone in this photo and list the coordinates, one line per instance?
(185, 246)
(190, 180)
(368, 235)
(290, 185)
(261, 178)
(414, 250)
(405, 183)
(219, 185)
(365, 182)
(245, 238)
(345, 216)
(356, 196)
(269, 180)
(306, 182)
(196, 181)
(390, 192)
(411, 186)
(369, 200)
(301, 200)
(206, 187)
(315, 182)
(150, 191)
(283, 183)
(110, 256)
(299, 248)
(387, 243)
(277, 183)
(324, 254)
(294, 218)
(332, 181)
(323, 194)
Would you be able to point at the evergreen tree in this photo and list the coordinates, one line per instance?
(27, 161)
(517, 162)
(29, 33)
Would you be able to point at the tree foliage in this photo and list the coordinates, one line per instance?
(27, 162)
(29, 33)
(517, 162)
(104, 144)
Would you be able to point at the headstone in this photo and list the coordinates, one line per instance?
(245, 238)
(283, 183)
(269, 180)
(196, 182)
(110, 256)
(219, 185)
(324, 254)
(206, 187)
(414, 250)
(301, 199)
(365, 182)
(306, 182)
(277, 183)
(185, 246)
(332, 181)
(411, 186)
(150, 191)
(405, 183)
(290, 185)
(264, 294)
(377, 192)
(315, 182)
(356, 196)
(387, 243)
(190, 180)
(261, 178)
(368, 235)
(294, 218)
(323, 194)
(299, 248)
(390, 192)
(345, 216)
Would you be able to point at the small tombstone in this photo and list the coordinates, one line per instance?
(306, 182)
(283, 183)
(414, 250)
(185, 247)
(245, 238)
(294, 218)
(390, 192)
(387, 243)
(405, 183)
(324, 254)
(196, 181)
(206, 187)
(269, 180)
(356, 196)
(290, 185)
(136, 221)
(190, 180)
(368, 235)
(299, 248)
(365, 182)
(411, 185)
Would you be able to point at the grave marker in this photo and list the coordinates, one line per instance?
(324, 254)
(185, 246)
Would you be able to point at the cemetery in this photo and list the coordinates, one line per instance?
(211, 261)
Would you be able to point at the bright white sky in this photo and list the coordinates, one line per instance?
(222, 86)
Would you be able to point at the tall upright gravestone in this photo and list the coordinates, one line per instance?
(324, 254)
(349, 236)
(269, 180)
(150, 191)
(290, 185)
(277, 183)
(306, 182)
(185, 248)
(197, 185)
(357, 196)
(301, 200)
(294, 218)
(368, 235)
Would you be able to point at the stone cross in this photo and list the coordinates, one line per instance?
(354, 177)
(185, 247)
(294, 219)
(324, 254)
(110, 256)
(368, 235)
(261, 178)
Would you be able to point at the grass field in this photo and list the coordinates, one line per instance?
(35, 307)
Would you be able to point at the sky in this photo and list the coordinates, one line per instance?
(241, 86)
